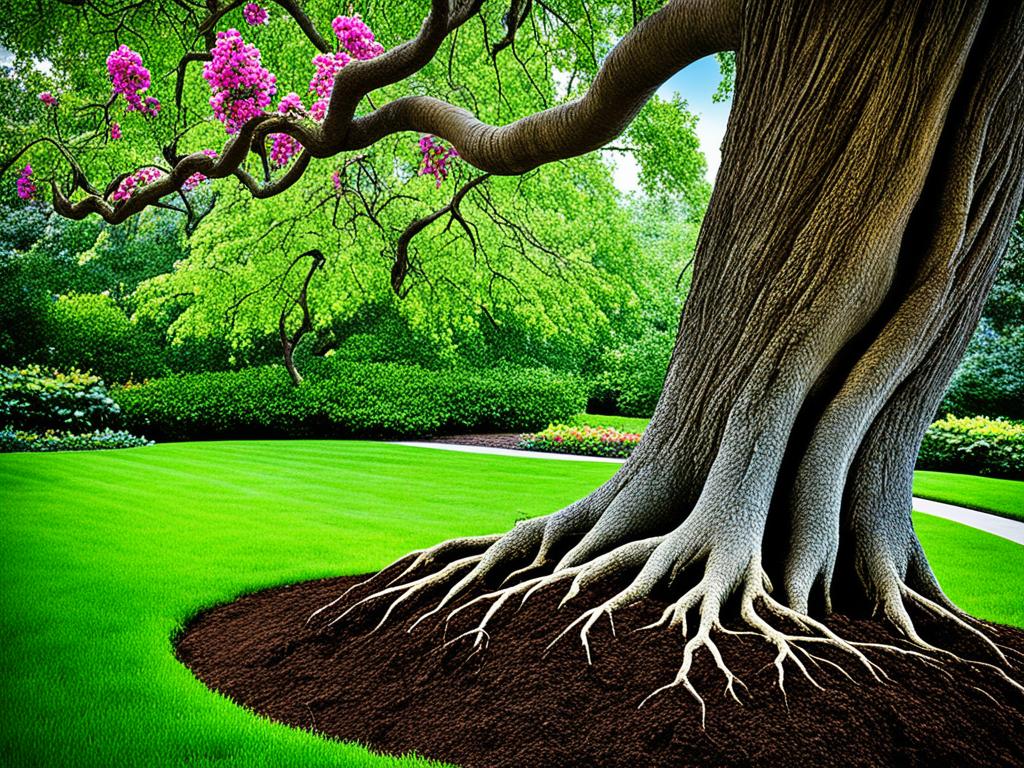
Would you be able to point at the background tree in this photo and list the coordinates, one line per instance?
(871, 174)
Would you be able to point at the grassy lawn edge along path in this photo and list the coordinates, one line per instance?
(989, 494)
(107, 554)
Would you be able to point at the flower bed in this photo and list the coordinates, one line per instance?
(584, 441)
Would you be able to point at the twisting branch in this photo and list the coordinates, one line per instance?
(681, 32)
(518, 12)
(401, 265)
(301, 300)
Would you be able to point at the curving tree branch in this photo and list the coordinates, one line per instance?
(681, 32)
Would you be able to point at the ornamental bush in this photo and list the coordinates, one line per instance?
(15, 441)
(976, 445)
(36, 399)
(91, 332)
(340, 398)
(583, 441)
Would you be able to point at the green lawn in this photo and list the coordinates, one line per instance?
(1003, 497)
(106, 554)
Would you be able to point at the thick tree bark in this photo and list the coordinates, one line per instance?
(871, 172)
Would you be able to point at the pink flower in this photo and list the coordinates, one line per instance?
(283, 149)
(48, 99)
(193, 181)
(255, 15)
(129, 78)
(115, 131)
(435, 158)
(356, 38)
(26, 187)
(242, 87)
(210, 153)
(292, 103)
(327, 66)
(132, 183)
(336, 180)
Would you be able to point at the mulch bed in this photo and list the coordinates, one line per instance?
(514, 705)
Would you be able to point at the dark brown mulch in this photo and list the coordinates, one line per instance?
(512, 705)
(490, 440)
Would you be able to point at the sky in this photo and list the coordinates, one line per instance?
(696, 83)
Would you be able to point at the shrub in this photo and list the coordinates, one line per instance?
(341, 398)
(634, 375)
(12, 441)
(584, 441)
(36, 399)
(990, 380)
(90, 332)
(977, 446)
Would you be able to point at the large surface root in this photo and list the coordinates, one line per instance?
(724, 575)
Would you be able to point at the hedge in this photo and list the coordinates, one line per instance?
(976, 446)
(341, 398)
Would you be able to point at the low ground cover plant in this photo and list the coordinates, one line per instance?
(341, 398)
(17, 441)
(581, 440)
(44, 410)
(36, 399)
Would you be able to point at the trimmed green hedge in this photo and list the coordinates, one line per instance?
(975, 446)
(341, 398)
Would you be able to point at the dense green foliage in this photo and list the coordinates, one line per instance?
(990, 379)
(38, 400)
(16, 441)
(976, 445)
(581, 440)
(107, 554)
(340, 399)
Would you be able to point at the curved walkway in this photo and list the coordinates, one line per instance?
(983, 521)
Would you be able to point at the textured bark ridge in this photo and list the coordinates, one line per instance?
(871, 172)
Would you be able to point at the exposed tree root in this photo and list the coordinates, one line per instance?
(727, 572)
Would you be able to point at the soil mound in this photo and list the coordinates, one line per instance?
(511, 704)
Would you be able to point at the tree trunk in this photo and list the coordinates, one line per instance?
(871, 173)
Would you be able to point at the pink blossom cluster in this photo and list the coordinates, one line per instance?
(193, 181)
(435, 158)
(327, 66)
(131, 184)
(290, 104)
(242, 87)
(255, 15)
(26, 187)
(130, 78)
(336, 180)
(198, 178)
(356, 38)
(283, 148)
(115, 131)
(48, 99)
